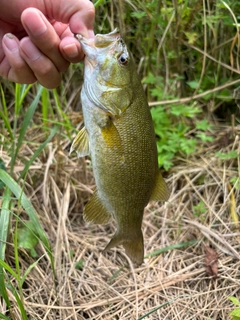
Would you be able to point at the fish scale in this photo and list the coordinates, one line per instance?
(118, 135)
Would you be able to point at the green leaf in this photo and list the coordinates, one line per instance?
(150, 79)
(192, 84)
(234, 301)
(236, 182)
(199, 209)
(236, 313)
(183, 110)
(79, 264)
(203, 125)
(192, 37)
(188, 146)
(204, 137)
(27, 238)
(228, 156)
(138, 15)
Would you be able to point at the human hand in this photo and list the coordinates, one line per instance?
(37, 43)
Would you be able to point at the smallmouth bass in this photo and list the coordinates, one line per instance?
(119, 136)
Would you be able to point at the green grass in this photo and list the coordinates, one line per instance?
(14, 197)
(160, 307)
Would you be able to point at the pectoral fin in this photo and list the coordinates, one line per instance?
(95, 211)
(112, 137)
(81, 143)
(160, 190)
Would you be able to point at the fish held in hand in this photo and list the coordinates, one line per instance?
(119, 136)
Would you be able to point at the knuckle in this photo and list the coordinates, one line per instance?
(91, 11)
(63, 67)
(19, 66)
(23, 78)
(45, 69)
(50, 84)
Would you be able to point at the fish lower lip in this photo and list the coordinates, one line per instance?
(78, 36)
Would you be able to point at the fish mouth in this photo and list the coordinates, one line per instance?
(98, 44)
(100, 40)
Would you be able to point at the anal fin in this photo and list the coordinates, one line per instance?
(95, 211)
(81, 143)
(160, 191)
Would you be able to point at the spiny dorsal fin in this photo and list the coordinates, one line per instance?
(81, 143)
(160, 191)
(95, 211)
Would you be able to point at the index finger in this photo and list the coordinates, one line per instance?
(79, 14)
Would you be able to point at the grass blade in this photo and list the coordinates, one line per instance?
(4, 223)
(26, 204)
(3, 290)
(37, 152)
(25, 123)
(4, 114)
(61, 112)
(21, 91)
(161, 306)
(171, 247)
(28, 270)
(2, 316)
(45, 106)
(98, 3)
(9, 269)
(19, 303)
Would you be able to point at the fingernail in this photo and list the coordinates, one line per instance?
(71, 50)
(10, 42)
(31, 51)
(91, 33)
(37, 26)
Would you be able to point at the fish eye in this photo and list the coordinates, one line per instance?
(123, 59)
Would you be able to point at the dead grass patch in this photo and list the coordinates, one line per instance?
(90, 285)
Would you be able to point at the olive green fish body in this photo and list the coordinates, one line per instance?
(120, 138)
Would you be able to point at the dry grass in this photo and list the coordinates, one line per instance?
(108, 286)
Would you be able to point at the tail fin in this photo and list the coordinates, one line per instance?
(134, 247)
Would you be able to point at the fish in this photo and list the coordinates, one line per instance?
(119, 137)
